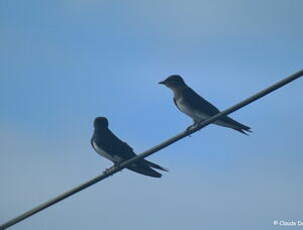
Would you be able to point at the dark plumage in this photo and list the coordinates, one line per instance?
(195, 106)
(111, 147)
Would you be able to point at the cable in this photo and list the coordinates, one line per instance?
(154, 149)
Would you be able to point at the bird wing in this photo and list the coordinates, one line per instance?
(198, 103)
(113, 145)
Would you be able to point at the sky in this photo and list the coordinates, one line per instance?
(63, 63)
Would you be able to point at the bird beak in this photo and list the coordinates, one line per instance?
(161, 82)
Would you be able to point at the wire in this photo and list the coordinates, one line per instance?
(154, 149)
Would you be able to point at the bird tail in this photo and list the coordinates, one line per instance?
(145, 170)
(231, 123)
(242, 128)
(244, 131)
(155, 166)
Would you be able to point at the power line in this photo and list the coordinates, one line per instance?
(154, 149)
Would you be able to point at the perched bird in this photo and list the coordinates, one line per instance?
(111, 147)
(196, 107)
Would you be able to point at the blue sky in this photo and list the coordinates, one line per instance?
(62, 63)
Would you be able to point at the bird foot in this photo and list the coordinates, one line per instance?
(117, 164)
(191, 127)
(107, 171)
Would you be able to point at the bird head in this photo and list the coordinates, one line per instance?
(100, 122)
(173, 81)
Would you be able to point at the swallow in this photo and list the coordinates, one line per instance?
(108, 145)
(196, 107)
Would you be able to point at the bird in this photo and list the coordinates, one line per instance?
(108, 145)
(196, 107)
